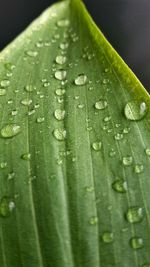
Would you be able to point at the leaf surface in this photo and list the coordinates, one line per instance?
(74, 148)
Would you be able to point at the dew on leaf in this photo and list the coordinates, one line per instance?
(97, 146)
(3, 165)
(26, 102)
(61, 60)
(93, 220)
(147, 151)
(134, 214)
(7, 205)
(2, 92)
(5, 83)
(101, 104)
(138, 168)
(108, 237)
(40, 119)
(81, 80)
(59, 114)
(63, 23)
(10, 130)
(11, 176)
(135, 110)
(120, 186)
(32, 53)
(61, 74)
(30, 88)
(118, 136)
(59, 134)
(60, 92)
(64, 46)
(137, 242)
(26, 156)
(127, 161)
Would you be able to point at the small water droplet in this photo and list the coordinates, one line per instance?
(59, 114)
(40, 119)
(93, 220)
(97, 146)
(26, 156)
(135, 110)
(29, 88)
(14, 112)
(147, 151)
(89, 189)
(137, 242)
(61, 60)
(7, 205)
(46, 84)
(127, 161)
(2, 92)
(11, 176)
(126, 130)
(118, 136)
(108, 237)
(3, 165)
(138, 168)
(60, 74)
(32, 53)
(31, 112)
(81, 80)
(26, 102)
(63, 23)
(10, 130)
(134, 215)
(101, 104)
(60, 134)
(64, 46)
(120, 186)
(60, 92)
(5, 83)
(112, 153)
(107, 119)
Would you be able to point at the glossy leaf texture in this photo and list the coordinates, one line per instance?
(74, 148)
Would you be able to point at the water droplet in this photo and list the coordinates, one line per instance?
(26, 102)
(138, 168)
(101, 104)
(46, 84)
(6, 206)
(147, 151)
(3, 165)
(63, 23)
(120, 186)
(5, 83)
(26, 156)
(59, 114)
(30, 88)
(32, 53)
(97, 146)
(137, 242)
(118, 136)
(11, 176)
(134, 215)
(40, 119)
(14, 112)
(89, 189)
(61, 60)
(107, 119)
(60, 134)
(93, 220)
(127, 161)
(112, 153)
(60, 92)
(81, 79)
(135, 110)
(126, 130)
(10, 130)
(108, 237)
(81, 106)
(2, 92)
(64, 46)
(31, 112)
(60, 74)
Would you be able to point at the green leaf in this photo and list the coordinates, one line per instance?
(74, 149)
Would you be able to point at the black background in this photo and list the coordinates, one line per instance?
(126, 24)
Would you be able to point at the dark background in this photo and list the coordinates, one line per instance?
(126, 24)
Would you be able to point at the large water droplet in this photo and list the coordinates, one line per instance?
(108, 237)
(10, 130)
(59, 114)
(61, 60)
(97, 146)
(5, 83)
(127, 161)
(134, 214)
(60, 134)
(120, 186)
(135, 110)
(137, 242)
(63, 23)
(101, 104)
(6, 207)
(60, 74)
(81, 79)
